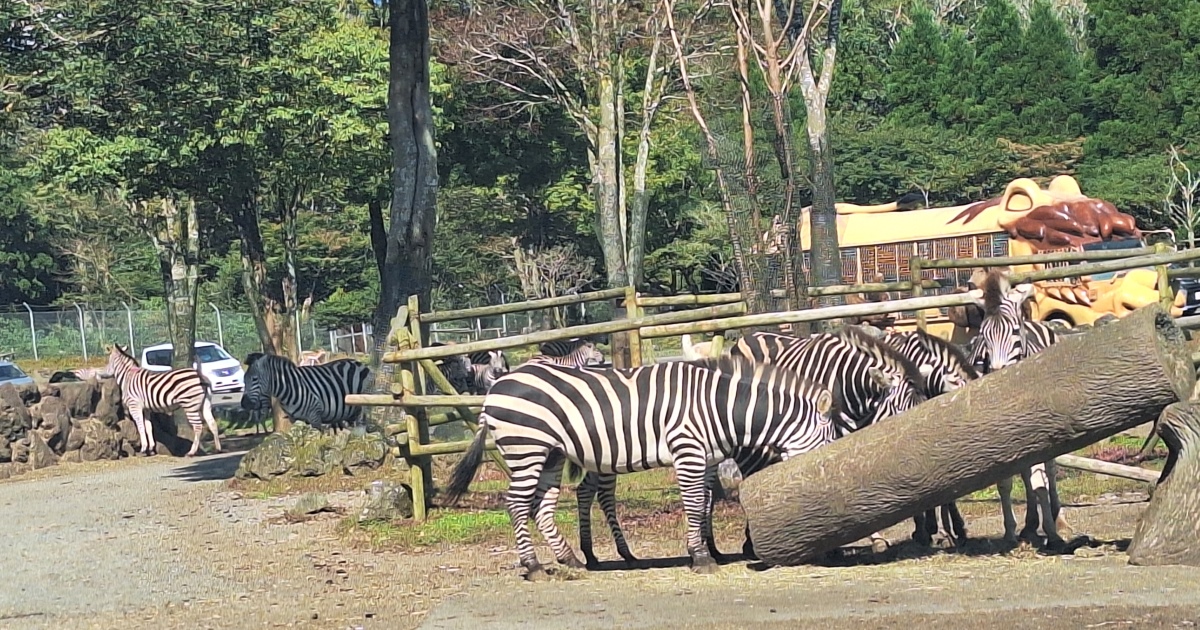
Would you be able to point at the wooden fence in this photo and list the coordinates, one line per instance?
(713, 312)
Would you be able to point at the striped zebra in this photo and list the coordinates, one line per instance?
(952, 369)
(869, 380)
(485, 368)
(562, 347)
(147, 390)
(315, 394)
(583, 355)
(1006, 336)
(614, 421)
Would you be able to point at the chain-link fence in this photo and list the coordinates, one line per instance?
(40, 333)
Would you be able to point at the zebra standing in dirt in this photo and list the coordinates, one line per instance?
(1006, 336)
(611, 422)
(315, 394)
(951, 370)
(149, 391)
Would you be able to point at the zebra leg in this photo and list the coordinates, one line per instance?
(145, 430)
(690, 475)
(608, 503)
(585, 495)
(211, 421)
(521, 491)
(921, 523)
(711, 479)
(1045, 500)
(1060, 522)
(1032, 477)
(546, 497)
(953, 522)
(1004, 488)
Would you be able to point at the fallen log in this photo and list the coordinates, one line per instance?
(1169, 530)
(1075, 393)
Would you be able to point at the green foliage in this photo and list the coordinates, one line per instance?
(912, 84)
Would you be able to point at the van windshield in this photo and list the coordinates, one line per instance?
(210, 354)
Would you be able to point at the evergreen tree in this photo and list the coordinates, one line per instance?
(912, 83)
(958, 106)
(1048, 91)
(997, 74)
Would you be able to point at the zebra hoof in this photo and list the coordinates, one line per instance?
(536, 574)
(704, 565)
(879, 545)
(572, 562)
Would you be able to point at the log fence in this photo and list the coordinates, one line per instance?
(711, 313)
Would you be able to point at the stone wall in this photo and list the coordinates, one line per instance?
(72, 422)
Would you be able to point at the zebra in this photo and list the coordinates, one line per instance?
(613, 421)
(485, 368)
(145, 390)
(562, 347)
(315, 394)
(1006, 336)
(583, 355)
(952, 369)
(869, 381)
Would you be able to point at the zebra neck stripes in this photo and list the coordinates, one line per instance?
(315, 394)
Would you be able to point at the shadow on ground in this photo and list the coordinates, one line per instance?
(210, 468)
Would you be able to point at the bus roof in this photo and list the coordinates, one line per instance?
(899, 226)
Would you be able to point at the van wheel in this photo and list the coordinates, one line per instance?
(1064, 321)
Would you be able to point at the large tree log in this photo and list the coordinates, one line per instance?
(1169, 530)
(1075, 393)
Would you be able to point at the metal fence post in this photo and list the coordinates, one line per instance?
(220, 329)
(82, 334)
(32, 330)
(129, 321)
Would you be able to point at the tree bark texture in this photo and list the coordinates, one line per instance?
(1108, 380)
(1169, 530)
(176, 236)
(254, 267)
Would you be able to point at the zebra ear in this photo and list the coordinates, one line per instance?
(880, 378)
(925, 369)
(824, 402)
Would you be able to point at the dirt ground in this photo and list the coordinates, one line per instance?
(167, 543)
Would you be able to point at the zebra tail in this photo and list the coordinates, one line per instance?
(464, 472)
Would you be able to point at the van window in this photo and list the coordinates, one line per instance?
(159, 357)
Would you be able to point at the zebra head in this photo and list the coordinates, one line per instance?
(1001, 338)
(256, 397)
(894, 384)
(119, 361)
(489, 367)
(589, 354)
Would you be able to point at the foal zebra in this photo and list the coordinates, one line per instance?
(1005, 337)
(486, 368)
(146, 390)
(315, 394)
(614, 421)
(951, 370)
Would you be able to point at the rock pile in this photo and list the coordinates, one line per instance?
(71, 422)
(306, 452)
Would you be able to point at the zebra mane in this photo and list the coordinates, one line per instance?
(789, 379)
(934, 342)
(995, 286)
(884, 352)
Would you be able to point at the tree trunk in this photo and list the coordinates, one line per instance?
(1108, 380)
(176, 238)
(407, 257)
(254, 267)
(1169, 530)
(825, 258)
(287, 331)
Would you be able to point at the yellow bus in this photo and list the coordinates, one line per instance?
(877, 242)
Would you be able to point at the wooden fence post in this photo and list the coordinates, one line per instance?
(914, 266)
(417, 464)
(421, 466)
(632, 311)
(1166, 296)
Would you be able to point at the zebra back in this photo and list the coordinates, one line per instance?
(617, 421)
(582, 356)
(869, 379)
(562, 347)
(153, 390)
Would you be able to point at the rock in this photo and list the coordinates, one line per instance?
(80, 397)
(310, 503)
(130, 440)
(20, 451)
(70, 457)
(29, 394)
(109, 409)
(99, 441)
(75, 438)
(5, 452)
(386, 501)
(15, 420)
(55, 423)
(360, 450)
(305, 452)
(40, 453)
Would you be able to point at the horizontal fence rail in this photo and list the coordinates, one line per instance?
(519, 307)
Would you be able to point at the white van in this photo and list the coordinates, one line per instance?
(224, 373)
